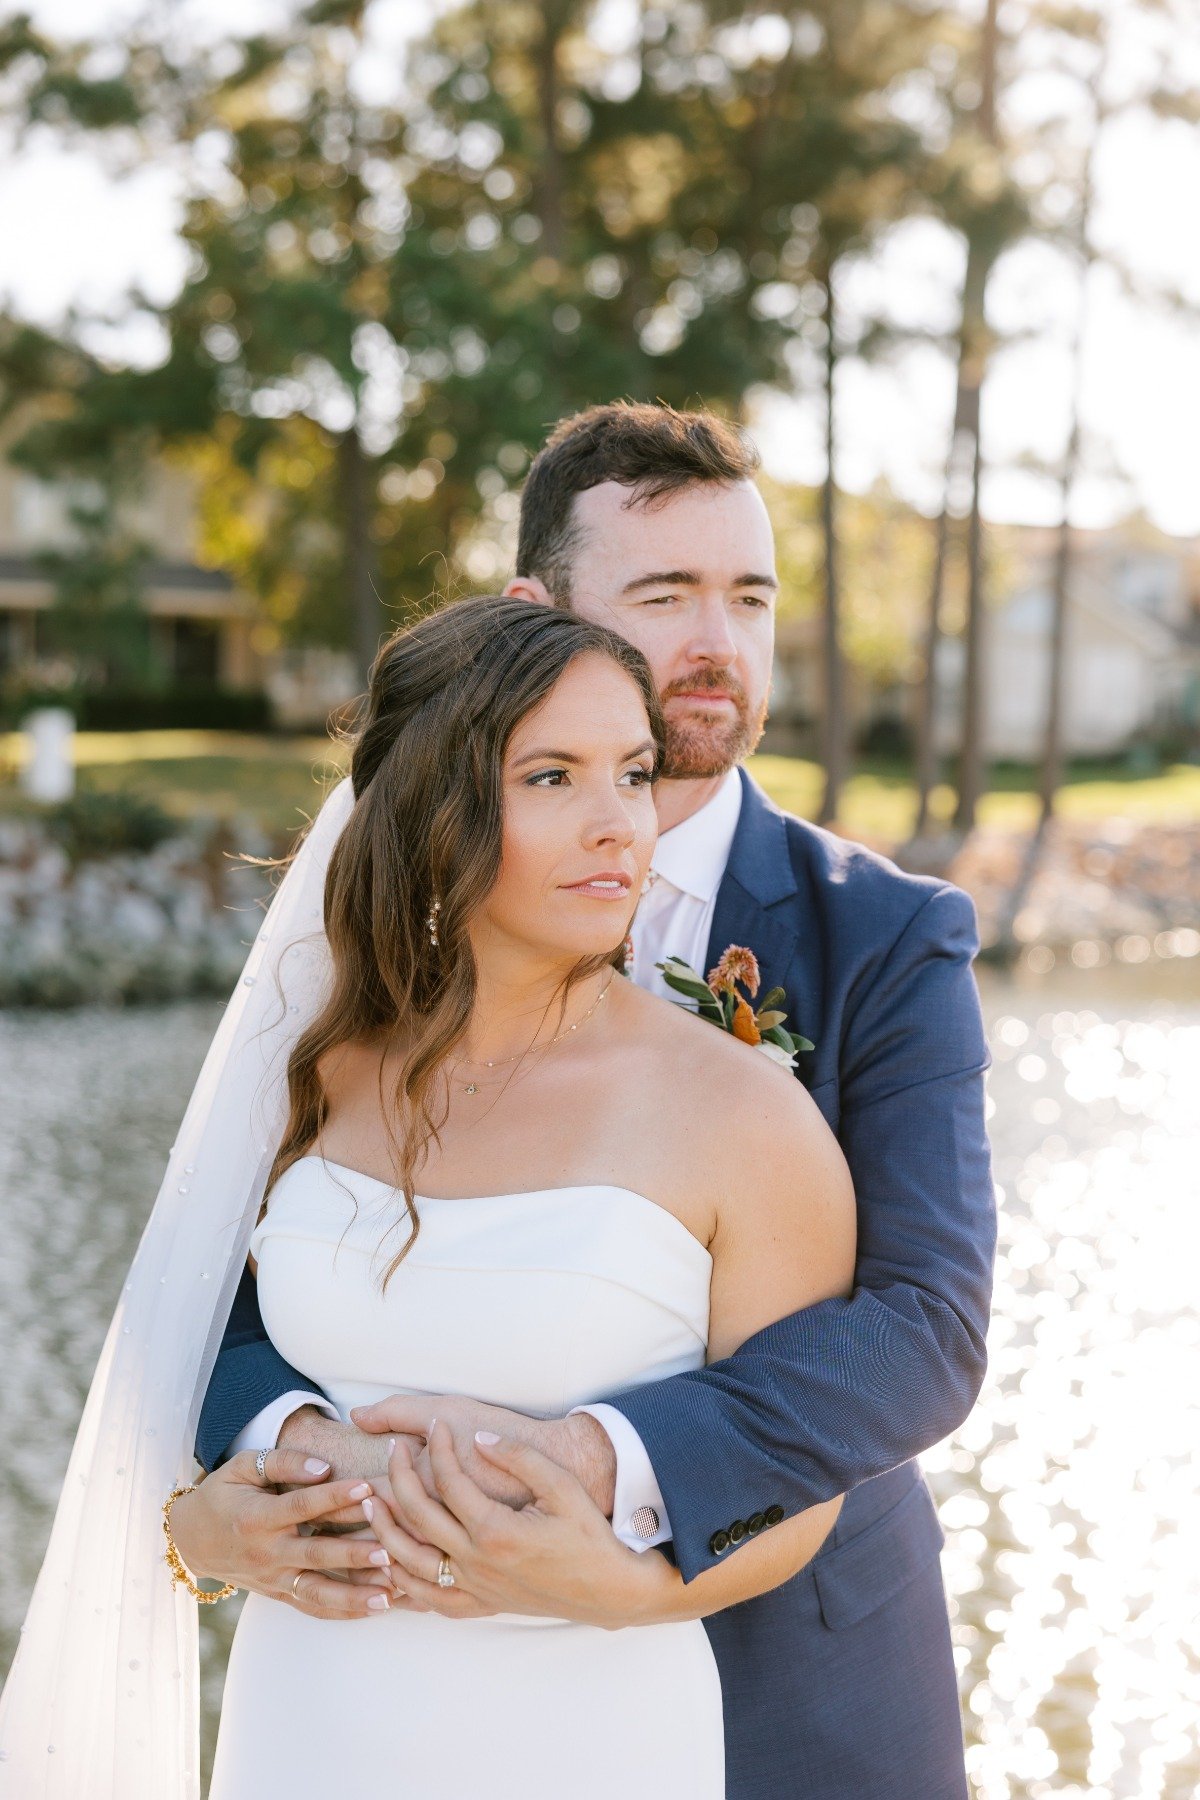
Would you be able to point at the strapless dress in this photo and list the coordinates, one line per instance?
(536, 1301)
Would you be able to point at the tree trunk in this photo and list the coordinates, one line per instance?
(833, 718)
(359, 557)
(1052, 750)
(971, 752)
(964, 433)
(1052, 747)
(549, 191)
(972, 369)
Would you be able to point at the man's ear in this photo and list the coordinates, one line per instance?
(528, 587)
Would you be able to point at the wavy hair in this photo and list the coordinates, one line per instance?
(444, 698)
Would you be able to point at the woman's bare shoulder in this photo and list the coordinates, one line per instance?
(723, 1092)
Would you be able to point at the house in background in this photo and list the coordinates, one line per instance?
(206, 630)
(1132, 646)
(202, 625)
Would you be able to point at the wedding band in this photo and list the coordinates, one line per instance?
(295, 1579)
(260, 1463)
(445, 1578)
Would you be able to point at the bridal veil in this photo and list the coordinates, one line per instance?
(103, 1698)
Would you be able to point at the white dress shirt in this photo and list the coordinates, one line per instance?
(674, 918)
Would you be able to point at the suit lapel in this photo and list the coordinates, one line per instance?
(758, 876)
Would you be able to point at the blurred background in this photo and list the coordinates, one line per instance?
(289, 295)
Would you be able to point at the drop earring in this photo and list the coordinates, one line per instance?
(431, 923)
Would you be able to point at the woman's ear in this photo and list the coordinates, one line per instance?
(528, 587)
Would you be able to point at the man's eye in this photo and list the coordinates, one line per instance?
(755, 600)
(661, 599)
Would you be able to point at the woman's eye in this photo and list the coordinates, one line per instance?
(639, 777)
(547, 777)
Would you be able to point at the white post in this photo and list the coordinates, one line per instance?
(48, 773)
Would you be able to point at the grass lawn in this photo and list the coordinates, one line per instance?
(278, 781)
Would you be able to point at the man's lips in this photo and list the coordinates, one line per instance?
(609, 884)
(704, 697)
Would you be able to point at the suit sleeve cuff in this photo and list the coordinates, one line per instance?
(262, 1431)
(639, 1512)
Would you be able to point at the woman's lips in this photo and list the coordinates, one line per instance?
(602, 887)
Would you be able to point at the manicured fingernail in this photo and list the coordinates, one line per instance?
(391, 1445)
(379, 1557)
(378, 1603)
(487, 1437)
(368, 1509)
(315, 1466)
(358, 1493)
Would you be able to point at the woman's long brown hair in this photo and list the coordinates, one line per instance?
(443, 700)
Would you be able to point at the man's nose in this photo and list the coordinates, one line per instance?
(712, 640)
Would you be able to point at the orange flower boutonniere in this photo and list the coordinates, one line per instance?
(719, 1001)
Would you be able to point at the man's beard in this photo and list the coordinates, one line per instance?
(700, 747)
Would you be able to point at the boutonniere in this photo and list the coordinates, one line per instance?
(719, 1001)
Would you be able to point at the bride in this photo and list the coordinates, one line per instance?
(490, 1166)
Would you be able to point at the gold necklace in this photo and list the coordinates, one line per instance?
(500, 1062)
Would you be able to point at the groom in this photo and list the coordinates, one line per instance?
(839, 1685)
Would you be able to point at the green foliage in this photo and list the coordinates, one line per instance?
(180, 707)
(93, 824)
(389, 302)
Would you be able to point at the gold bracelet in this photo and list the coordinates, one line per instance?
(174, 1562)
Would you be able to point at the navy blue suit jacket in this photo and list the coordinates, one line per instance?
(840, 1682)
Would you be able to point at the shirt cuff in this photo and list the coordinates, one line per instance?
(262, 1432)
(639, 1515)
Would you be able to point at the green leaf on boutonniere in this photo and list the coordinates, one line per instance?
(684, 980)
(773, 999)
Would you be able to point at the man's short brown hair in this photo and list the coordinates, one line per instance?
(651, 448)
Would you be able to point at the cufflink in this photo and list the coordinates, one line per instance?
(644, 1522)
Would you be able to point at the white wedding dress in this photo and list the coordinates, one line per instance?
(536, 1301)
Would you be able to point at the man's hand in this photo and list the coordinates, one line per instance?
(236, 1528)
(348, 1451)
(557, 1557)
(578, 1444)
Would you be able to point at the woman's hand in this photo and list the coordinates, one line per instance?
(235, 1527)
(557, 1557)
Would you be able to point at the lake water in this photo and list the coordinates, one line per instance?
(1071, 1497)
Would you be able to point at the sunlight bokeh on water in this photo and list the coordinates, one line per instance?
(1071, 1497)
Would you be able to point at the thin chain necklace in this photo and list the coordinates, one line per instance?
(500, 1062)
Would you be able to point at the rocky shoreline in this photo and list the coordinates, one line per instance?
(171, 922)
(1104, 890)
(175, 921)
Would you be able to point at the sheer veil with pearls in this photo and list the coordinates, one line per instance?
(103, 1698)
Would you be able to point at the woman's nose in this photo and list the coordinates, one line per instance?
(612, 823)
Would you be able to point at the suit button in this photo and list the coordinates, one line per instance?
(773, 1515)
(755, 1523)
(737, 1531)
(718, 1542)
